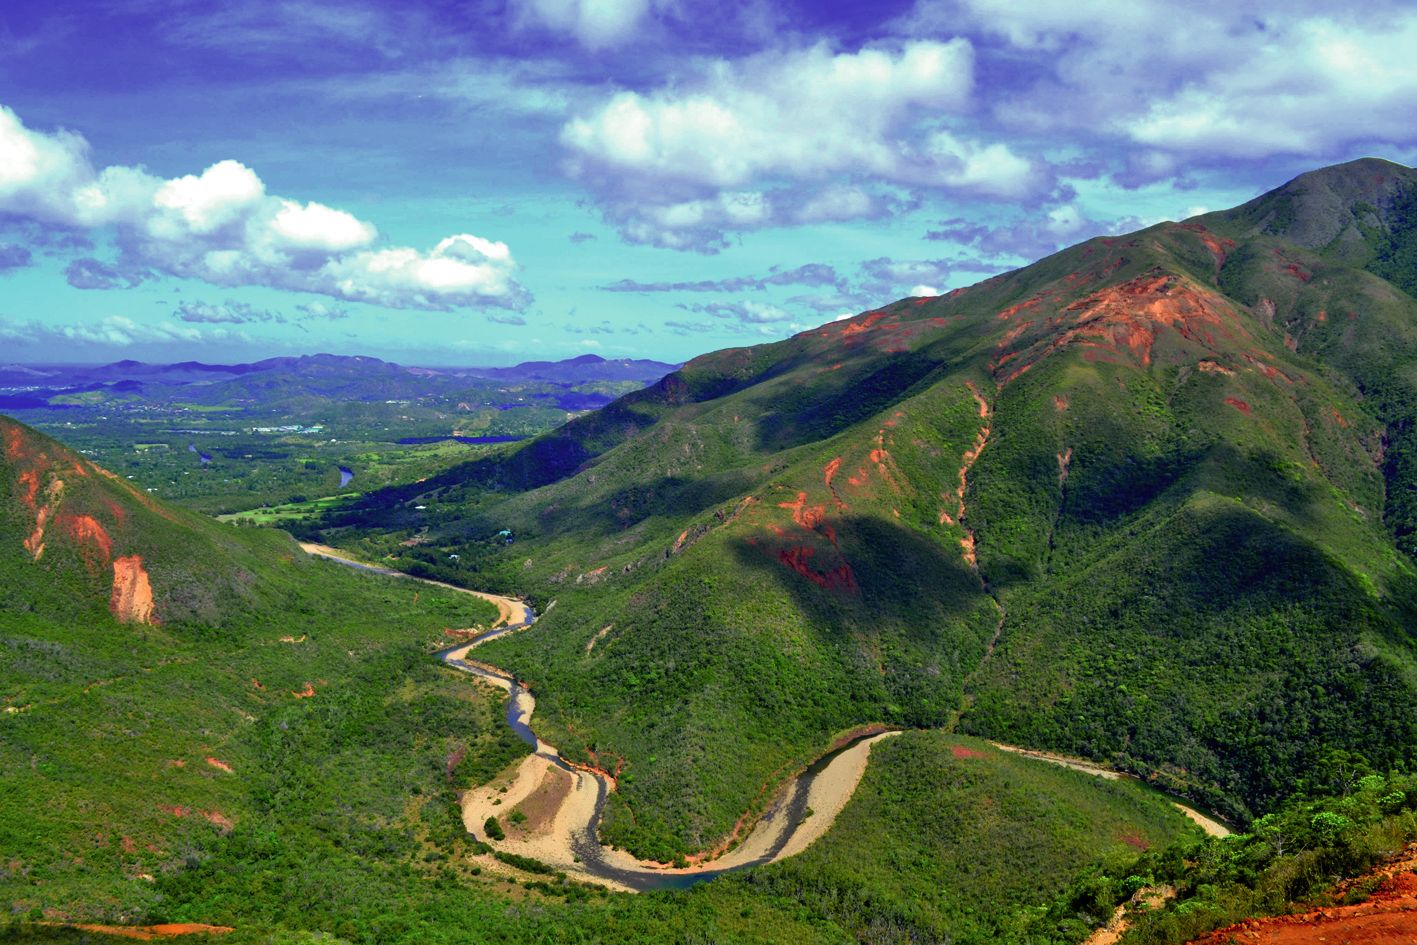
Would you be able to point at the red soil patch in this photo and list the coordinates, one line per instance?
(1060, 402)
(1322, 316)
(174, 809)
(966, 545)
(798, 558)
(981, 439)
(92, 538)
(256, 683)
(1238, 404)
(829, 471)
(959, 751)
(14, 442)
(1127, 318)
(1023, 306)
(1387, 917)
(219, 764)
(132, 597)
(305, 693)
(29, 482)
(1298, 272)
(866, 323)
(220, 820)
(1219, 246)
(1065, 461)
(146, 932)
(1339, 419)
(1135, 840)
(808, 516)
(1211, 367)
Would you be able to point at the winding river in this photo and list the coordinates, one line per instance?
(563, 801)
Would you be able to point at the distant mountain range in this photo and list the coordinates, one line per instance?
(586, 368)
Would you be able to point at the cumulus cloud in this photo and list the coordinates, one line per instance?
(1226, 81)
(220, 226)
(804, 136)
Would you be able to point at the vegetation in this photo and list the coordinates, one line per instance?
(950, 839)
(1185, 495)
(1152, 500)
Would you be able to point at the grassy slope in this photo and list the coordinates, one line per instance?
(950, 839)
(107, 726)
(1204, 438)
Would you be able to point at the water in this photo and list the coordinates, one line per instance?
(345, 475)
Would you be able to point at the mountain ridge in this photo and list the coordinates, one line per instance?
(935, 495)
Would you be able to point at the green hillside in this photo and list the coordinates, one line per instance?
(133, 720)
(1146, 500)
(285, 759)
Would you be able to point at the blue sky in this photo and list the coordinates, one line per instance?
(487, 182)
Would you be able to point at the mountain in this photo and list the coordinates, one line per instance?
(307, 382)
(580, 370)
(1151, 500)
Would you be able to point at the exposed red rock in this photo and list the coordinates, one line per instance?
(1238, 404)
(132, 597)
(92, 538)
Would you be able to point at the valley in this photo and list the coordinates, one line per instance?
(1079, 598)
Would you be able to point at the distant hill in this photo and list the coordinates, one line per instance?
(298, 382)
(587, 367)
(1152, 499)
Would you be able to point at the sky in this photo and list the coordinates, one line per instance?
(490, 181)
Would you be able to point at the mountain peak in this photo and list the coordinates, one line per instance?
(1338, 210)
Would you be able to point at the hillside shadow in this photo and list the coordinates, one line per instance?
(903, 580)
(811, 412)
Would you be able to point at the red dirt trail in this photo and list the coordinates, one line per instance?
(1388, 917)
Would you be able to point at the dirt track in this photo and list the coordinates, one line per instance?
(562, 800)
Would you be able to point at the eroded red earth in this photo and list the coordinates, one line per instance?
(1387, 917)
(40, 487)
(1120, 322)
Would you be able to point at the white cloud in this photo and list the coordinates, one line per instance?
(789, 137)
(596, 24)
(114, 331)
(802, 114)
(1244, 80)
(222, 227)
(923, 291)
